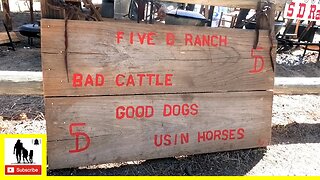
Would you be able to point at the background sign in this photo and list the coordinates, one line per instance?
(303, 9)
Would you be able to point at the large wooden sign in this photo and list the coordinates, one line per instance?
(120, 91)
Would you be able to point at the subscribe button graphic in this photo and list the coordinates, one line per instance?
(23, 170)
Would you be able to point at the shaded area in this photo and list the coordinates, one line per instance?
(14, 107)
(295, 133)
(303, 70)
(294, 64)
(224, 163)
(25, 58)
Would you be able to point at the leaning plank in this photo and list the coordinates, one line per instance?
(20, 83)
(4, 39)
(297, 85)
(227, 120)
(225, 67)
(248, 4)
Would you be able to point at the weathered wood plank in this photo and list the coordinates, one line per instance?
(4, 39)
(20, 83)
(193, 68)
(100, 38)
(246, 115)
(20, 88)
(248, 4)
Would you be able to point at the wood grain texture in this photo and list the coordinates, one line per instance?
(114, 140)
(194, 68)
(4, 39)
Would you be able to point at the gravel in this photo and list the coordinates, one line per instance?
(293, 64)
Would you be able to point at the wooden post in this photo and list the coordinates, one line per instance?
(46, 12)
(31, 12)
(6, 14)
(267, 22)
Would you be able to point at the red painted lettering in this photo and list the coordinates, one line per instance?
(318, 15)
(167, 110)
(240, 133)
(140, 112)
(118, 78)
(205, 40)
(141, 76)
(89, 81)
(119, 36)
(77, 135)
(144, 80)
(99, 80)
(225, 134)
(223, 41)
(312, 11)
(291, 9)
(132, 112)
(188, 39)
(77, 80)
(257, 58)
(194, 109)
(120, 114)
(232, 131)
(150, 38)
(209, 135)
(170, 38)
(130, 81)
(212, 41)
(197, 41)
(177, 110)
(171, 139)
(201, 136)
(141, 37)
(217, 135)
(302, 9)
(149, 111)
(156, 142)
(168, 79)
(130, 109)
(185, 110)
(167, 140)
(150, 76)
(158, 83)
(131, 38)
(184, 138)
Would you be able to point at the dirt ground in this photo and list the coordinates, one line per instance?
(294, 149)
(26, 57)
